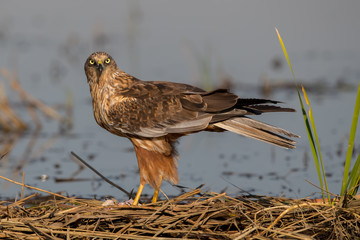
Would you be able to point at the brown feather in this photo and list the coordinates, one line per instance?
(156, 160)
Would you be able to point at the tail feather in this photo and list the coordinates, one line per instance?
(258, 130)
(271, 108)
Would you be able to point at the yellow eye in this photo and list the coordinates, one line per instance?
(107, 60)
(91, 61)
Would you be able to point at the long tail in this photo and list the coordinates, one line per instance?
(258, 130)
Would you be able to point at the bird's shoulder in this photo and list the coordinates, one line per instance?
(150, 89)
(153, 109)
(176, 96)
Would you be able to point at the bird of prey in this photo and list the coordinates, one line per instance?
(153, 115)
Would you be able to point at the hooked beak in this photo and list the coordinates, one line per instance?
(100, 66)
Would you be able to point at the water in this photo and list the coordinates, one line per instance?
(46, 44)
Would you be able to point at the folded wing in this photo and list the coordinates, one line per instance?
(154, 109)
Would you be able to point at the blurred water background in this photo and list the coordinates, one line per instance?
(206, 43)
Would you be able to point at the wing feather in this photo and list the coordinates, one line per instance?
(154, 109)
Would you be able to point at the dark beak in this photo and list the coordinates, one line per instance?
(100, 67)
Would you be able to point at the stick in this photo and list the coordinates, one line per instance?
(38, 189)
(102, 176)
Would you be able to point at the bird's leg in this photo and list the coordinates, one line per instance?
(155, 196)
(156, 192)
(138, 194)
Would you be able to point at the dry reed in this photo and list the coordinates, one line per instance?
(193, 215)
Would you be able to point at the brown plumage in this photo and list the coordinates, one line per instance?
(153, 115)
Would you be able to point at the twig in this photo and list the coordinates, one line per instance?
(245, 233)
(102, 176)
(24, 199)
(14, 83)
(11, 121)
(38, 189)
(22, 187)
(197, 221)
(41, 233)
(322, 189)
(282, 233)
(2, 156)
(294, 207)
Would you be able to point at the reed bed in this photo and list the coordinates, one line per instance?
(193, 215)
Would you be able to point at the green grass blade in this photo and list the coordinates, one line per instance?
(286, 55)
(311, 117)
(312, 143)
(345, 182)
(354, 178)
(306, 121)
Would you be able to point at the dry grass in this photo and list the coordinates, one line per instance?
(193, 215)
(9, 119)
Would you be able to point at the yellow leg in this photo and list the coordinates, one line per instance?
(138, 194)
(156, 192)
(155, 196)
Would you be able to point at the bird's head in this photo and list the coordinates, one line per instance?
(97, 64)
